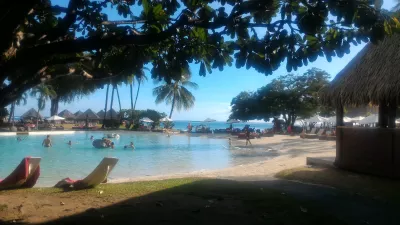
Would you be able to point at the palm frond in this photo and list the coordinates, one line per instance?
(190, 84)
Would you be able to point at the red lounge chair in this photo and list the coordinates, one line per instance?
(24, 176)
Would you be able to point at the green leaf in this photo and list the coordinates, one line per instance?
(202, 70)
(146, 7)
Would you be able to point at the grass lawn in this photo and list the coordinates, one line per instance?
(175, 201)
(375, 187)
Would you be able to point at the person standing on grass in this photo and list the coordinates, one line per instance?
(248, 137)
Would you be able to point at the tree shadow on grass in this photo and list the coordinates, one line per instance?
(229, 202)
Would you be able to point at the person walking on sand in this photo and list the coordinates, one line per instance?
(248, 137)
(47, 142)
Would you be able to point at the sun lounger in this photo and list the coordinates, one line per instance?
(24, 176)
(99, 175)
(315, 136)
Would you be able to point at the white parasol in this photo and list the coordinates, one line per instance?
(55, 118)
(146, 120)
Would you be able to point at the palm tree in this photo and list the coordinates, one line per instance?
(105, 107)
(176, 94)
(141, 78)
(43, 93)
(23, 100)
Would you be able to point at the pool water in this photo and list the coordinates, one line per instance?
(155, 154)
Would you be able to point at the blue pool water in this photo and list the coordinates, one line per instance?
(155, 154)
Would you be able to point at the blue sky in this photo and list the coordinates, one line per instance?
(215, 91)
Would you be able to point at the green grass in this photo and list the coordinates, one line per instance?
(184, 201)
(122, 189)
(353, 182)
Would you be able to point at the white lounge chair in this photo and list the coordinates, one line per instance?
(97, 176)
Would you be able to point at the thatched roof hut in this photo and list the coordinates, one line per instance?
(88, 114)
(100, 113)
(372, 76)
(78, 113)
(112, 113)
(32, 113)
(67, 114)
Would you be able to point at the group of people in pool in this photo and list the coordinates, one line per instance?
(107, 142)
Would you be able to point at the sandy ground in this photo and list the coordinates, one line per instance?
(291, 150)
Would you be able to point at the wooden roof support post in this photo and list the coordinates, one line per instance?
(383, 115)
(392, 115)
(339, 115)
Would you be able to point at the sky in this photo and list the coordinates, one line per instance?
(214, 94)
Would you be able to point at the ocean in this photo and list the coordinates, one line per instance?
(182, 124)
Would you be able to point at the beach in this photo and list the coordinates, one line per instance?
(291, 152)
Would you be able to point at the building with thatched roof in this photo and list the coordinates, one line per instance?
(371, 77)
(100, 113)
(112, 114)
(78, 113)
(88, 114)
(31, 114)
(67, 114)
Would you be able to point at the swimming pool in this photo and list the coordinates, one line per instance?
(155, 154)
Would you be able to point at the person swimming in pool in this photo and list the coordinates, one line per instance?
(19, 139)
(47, 142)
(91, 138)
(112, 145)
(131, 145)
(69, 143)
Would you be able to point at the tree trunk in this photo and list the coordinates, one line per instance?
(105, 107)
(37, 118)
(131, 89)
(111, 103)
(11, 112)
(339, 116)
(172, 107)
(137, 95)
(119, 100)
(54, 106)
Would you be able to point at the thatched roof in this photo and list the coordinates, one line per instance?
(32, 113)
(372, 76)
(100, 113)
(66, 114)
(112, 112)
(78, 113)
(89, 114)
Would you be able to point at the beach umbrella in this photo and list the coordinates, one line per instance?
(233, 121)
(208, 120)
(331, 119)
(55, 118)
(373, 118)
(146, 120)
(356, 119)
(166, 119)
(347, 119)
(315, 119)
